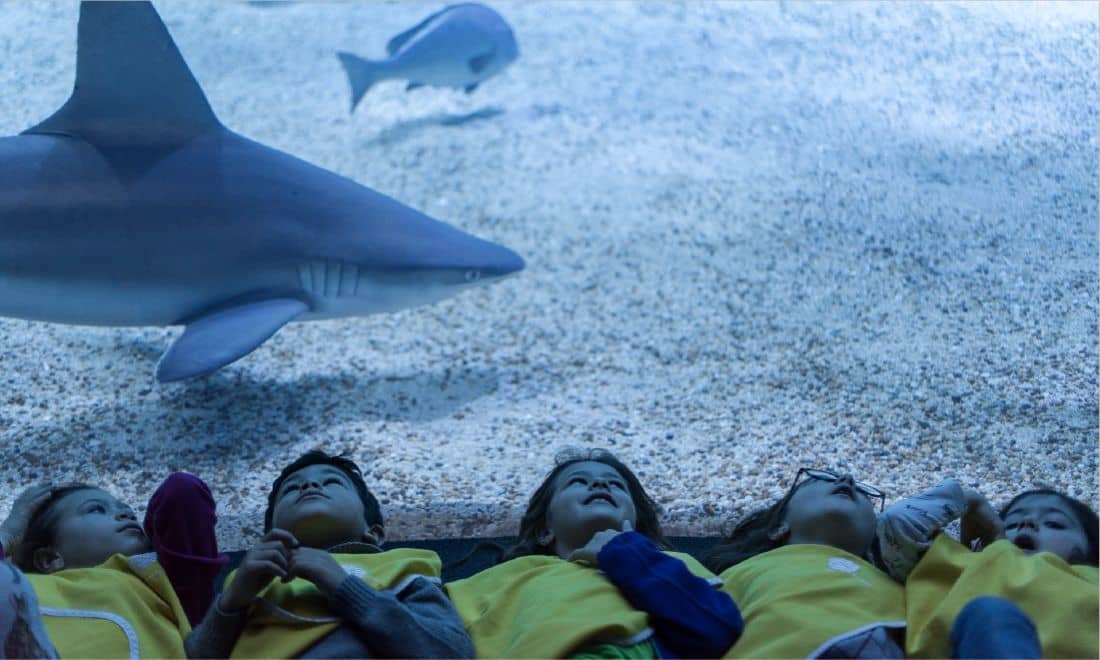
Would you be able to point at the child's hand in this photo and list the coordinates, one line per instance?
(267, 560)
(13, 529)
(980, 525)
(591, 550)
(317, 566)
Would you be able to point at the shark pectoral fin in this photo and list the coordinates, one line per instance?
(478, 64)
(215, 340)
(132, 86)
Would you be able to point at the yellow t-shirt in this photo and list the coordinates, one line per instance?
(543, 606)
(123, 608)
(1061, 599)
(798, 600)
(289, 618)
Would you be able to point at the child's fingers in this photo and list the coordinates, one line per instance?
(283, 536)
(270, 567)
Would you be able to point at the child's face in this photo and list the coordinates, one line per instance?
(320, 507)
(589, 497)
(833, 511)
(1045, 523)
(91, 526)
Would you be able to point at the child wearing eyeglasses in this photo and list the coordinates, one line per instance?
(802, 573)
(1038, 556)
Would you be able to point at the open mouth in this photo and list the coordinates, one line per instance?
(132, 527)
(1026, 542)
(601, 496)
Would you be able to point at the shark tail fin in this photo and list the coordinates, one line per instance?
(362, 74)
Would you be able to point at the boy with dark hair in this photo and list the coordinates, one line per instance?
(338, 594)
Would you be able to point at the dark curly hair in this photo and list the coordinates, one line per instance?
(534, 519)
(372, 512)
(1084, 514)
(41, 531)
(751, 536)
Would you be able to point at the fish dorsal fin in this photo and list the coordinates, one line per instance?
(397, 42)
(132, 86)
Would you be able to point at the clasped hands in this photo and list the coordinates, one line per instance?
(280, 555)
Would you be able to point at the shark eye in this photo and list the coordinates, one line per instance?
(473, 275)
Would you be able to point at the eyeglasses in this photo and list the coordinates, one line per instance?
(824, 475)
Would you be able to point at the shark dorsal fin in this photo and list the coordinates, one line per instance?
(132, 86)
(397, 42)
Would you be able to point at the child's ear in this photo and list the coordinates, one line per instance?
(47, 560)
(780, 532)
(376, 535)
(546, 538)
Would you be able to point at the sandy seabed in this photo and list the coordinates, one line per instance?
(759, 236)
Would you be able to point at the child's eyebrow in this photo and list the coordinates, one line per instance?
(325, 472)
(614, 476)
(1043, 511)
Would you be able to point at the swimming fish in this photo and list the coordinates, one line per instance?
(458, 46)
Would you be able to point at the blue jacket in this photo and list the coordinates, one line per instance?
(689, 617)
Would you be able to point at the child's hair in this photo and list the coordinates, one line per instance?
(751, 536)
(1084, 514)
(372, 512)
(42, 527)
(533, 523)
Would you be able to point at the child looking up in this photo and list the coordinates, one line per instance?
(105, 587)
(582, 582)
(801, 571)
(1040, 553)
(338, 594)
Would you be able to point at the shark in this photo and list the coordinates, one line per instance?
(133, 205)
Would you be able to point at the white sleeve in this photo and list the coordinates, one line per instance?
(907, 528)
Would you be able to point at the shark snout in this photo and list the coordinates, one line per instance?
(503, 262)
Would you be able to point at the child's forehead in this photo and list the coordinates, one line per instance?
(589, 468)
(82, 495)
(1041, 503)
(316, 470)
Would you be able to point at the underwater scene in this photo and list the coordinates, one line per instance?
(722, 240)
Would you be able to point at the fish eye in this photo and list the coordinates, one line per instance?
(473, 275)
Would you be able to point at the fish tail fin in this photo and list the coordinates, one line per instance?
(362, 74)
